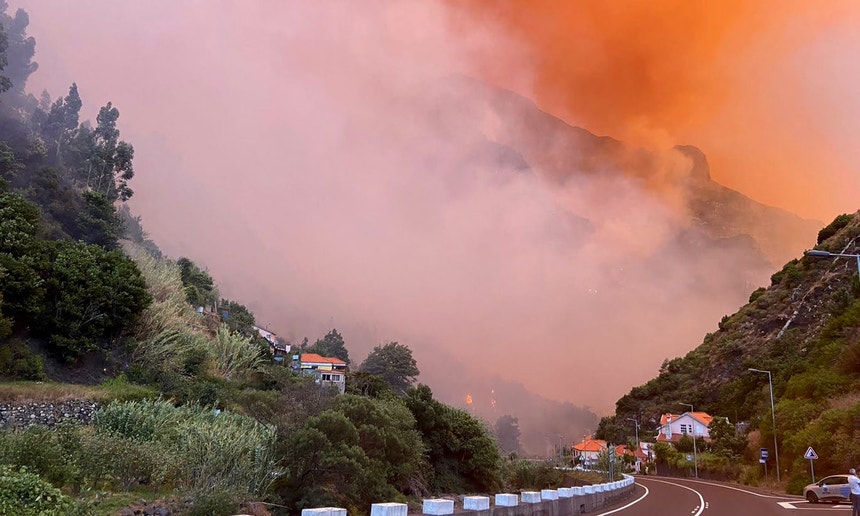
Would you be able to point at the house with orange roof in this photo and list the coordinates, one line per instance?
(674, 426)
(329, 371)
(588, 450)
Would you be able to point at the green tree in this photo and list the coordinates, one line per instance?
(199, 286)
(394, 363)
(238, 318)
(21, 256)
(325, 465)
(98, 222)
(461, 451)
(90, 294)
(725, 439)
(332, 345)
(387, 434)
(508, 433)
(58, 125)
(5, 322)
(361, 383)
(20, 49)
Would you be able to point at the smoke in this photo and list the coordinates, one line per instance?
(332, 168)
(766, 89)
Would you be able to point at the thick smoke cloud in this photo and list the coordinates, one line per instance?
(332, 169)
(766, 89)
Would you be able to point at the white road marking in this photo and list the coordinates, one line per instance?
(782, 497)
(701, 506)
(629, 504)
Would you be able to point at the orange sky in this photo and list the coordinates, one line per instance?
(767, 89)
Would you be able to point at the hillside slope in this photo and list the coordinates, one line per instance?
(805, 329)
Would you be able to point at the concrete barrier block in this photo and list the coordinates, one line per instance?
(476, 503)
(389, 509)
(578, 491)
(548, 494)
(507, 500)
(530, 497)
(565, 492)
(438, 506)
(588, 490)
(598, 488)
(324, 511)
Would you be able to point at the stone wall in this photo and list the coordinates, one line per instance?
(22, 415)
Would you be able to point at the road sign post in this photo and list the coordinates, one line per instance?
(763, 460)
(811, 456)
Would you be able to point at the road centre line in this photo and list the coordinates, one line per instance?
(634, 502)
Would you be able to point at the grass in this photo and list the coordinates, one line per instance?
(34, 392)
(110, 503)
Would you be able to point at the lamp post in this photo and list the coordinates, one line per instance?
(695, 454)
(825, 254)
(773, 415)
(635, 422)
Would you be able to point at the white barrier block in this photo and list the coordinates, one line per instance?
(476, 503)
(389, 509)
(565, 492)
(438, 506)
(507, 500)
(548, 494)
(530, 497)
(598, 488)
(324, 511)
(578, 491)
(588, 489)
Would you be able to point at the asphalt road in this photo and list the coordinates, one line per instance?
(661, 496)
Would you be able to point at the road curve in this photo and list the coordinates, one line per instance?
(663, 496)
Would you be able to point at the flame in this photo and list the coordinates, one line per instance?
(468, 399)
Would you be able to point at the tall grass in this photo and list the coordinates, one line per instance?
(218, 450)
(169, 311)
(234, 354)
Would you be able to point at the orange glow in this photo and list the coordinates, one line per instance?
(468, 399)
(757, 85)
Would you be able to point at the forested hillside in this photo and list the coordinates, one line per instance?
(805, 329)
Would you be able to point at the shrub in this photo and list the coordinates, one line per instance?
(533, 475)
(831, 229)
(38, 449)
(25, 494)
(757, 293)
(18, 362)
(114, 461)
(120, 389)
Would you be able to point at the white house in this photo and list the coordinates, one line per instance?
(673, 426)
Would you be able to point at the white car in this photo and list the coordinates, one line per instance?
(829, 489)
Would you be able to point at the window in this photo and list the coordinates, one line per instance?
(685, 429)
(326, 377)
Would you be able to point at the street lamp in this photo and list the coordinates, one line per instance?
(695, 454)
(636, 422)
(772, 413)
(825, 254)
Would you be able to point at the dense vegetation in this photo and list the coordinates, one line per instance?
(805, 329)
